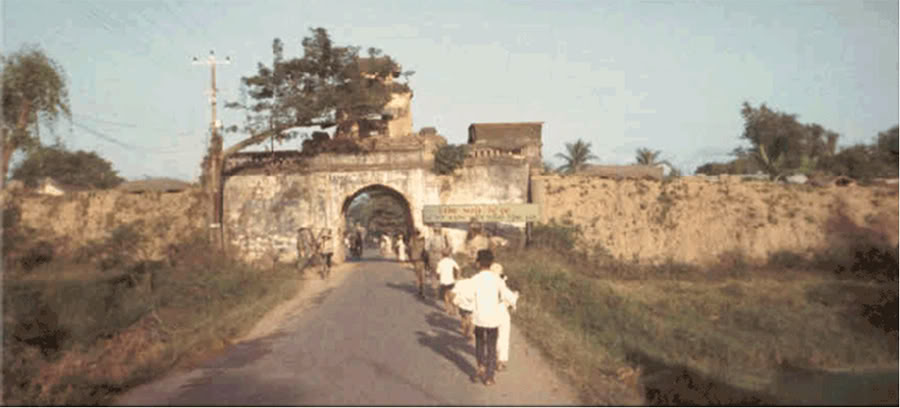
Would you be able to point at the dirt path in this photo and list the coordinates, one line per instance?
(360, 338)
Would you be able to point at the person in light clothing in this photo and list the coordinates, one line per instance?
(448, 272)
(387, 246)
(505, 322)
(463, 296)
(416, 249)
(435, 249)
(490, 290)
(401, 250)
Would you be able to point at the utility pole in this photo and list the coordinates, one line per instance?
(212, 166)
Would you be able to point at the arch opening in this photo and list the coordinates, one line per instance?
(374, 212)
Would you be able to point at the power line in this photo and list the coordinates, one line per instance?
(105, 121)
(124, 124)
(187, 21)
(138, 149)
(103, 16)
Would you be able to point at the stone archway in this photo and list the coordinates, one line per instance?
(397, 196)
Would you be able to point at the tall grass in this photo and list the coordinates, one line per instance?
(80, 330)
(628, 334)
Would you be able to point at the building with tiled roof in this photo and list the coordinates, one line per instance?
(506, 139)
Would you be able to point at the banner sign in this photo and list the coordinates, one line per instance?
(432, 214)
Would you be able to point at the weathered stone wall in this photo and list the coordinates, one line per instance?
(74, 219)
(263, 212)
(697, 221)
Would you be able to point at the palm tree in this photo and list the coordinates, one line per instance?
(579, 153)
(647, 157)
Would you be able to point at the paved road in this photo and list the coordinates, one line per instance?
(366, 340)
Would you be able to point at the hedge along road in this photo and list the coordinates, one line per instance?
(360, 338)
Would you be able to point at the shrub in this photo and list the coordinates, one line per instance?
(79, 168)
(861, 162)
(558, 237)
(448, 158)
(858, 251)
(39, 254)
(883, 314)
(321, 142)
(787, 260)
(18, 242)
(121, 248)
(129, 324)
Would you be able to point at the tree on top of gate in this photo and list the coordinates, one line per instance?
(327, 86)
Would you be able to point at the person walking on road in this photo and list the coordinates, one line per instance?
(463, 296)
(505, 321)
(387, 246)
(326, 251)
(489, 290)
(401, 249)
(448, 273)
(435, 249)
(416, 248)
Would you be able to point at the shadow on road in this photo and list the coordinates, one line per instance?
(414, 291)
(448, 342)
(242, 354)
(234, 390)
(444, 322)
(374, 258)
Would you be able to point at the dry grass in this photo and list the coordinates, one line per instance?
(78, 333)
(677, 334)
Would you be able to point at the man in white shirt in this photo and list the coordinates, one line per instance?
(487, 316)
(448, 272)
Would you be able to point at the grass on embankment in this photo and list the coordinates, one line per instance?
(80, 331)
(629, 335)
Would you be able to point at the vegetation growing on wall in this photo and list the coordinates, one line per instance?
(449, 157)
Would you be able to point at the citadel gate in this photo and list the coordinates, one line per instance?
(268, 196)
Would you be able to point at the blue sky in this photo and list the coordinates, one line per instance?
(668, 75)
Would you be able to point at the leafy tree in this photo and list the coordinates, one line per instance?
(34, 89)
(781, 144)
(865, 161)
(449, 157)
(647, 157)
(576, 157)
(324, 87)
(887, 142)
(740, 165)
(855, 162)
(80, 168)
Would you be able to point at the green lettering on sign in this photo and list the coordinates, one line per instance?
(432, 214)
